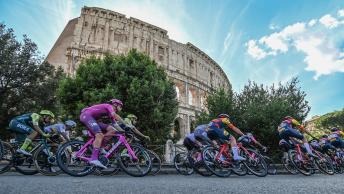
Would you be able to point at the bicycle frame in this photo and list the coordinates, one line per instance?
(299, 154)
(121, 140)
(41, 142)
(224, 150)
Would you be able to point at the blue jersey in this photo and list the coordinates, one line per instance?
(191, 136)
(201, 130)
(59, 127)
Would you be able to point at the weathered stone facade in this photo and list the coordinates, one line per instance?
(98, 30)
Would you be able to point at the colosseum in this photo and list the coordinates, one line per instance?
(98, 30)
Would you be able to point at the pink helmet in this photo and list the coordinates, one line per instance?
(116, 102)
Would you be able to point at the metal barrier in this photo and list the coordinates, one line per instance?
(167, 152)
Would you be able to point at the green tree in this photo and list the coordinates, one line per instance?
(217, 102)
(259, 109)
(26, 82)
(135, 79)
(332, 119)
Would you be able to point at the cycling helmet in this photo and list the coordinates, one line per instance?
(324, 136)
(47, 112)
(245, 140)
(116, 102)
(223, 116)
(315, 144)
(334, 129)
(288, 117)
(70, 123)
(131, 116)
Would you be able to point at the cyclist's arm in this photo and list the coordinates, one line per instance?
(35, 121)
(301, 127)
(231, 126)
(341, 133)
(117, 117)
(137, 132)
(257, 142)
(236, 129)
(64, 136)
(38, 129)
(117, 127)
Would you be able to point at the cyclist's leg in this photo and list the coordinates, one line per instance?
(235, 149)
(188, 144)
(24, 129)
(93, 126)
(212, 136)
(338, 143)
(296, 134)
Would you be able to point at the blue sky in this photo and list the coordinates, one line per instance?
(264, 41)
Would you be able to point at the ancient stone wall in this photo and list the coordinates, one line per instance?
(98, 30)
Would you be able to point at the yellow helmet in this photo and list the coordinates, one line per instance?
(47, 112)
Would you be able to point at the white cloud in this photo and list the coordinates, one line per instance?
(312, 22)
(278, 41)
(227, 42)
(274, 42)
(340, 13)
(273, 27)
(320, 57)
(318, 44)
(255, 51)
(329, 21)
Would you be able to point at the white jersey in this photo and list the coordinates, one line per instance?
(59, 127)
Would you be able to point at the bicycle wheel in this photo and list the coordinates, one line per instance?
(6, 162)
(219, 168)
(288, 165)
(240, 169)
(182, 164)
(138, 168)
(272, 169)
(324, 163)
(255, 163)
(303, 166)
(195, 159)
(111, 164)
(1, 149)
(156, 162)
(45, 160)
(72, 165)
(24, 164)
(337, 164)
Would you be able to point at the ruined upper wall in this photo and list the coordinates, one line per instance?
(99, 30)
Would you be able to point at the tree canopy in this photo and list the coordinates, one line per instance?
(27, 83)
(135, 79)
(259, 109)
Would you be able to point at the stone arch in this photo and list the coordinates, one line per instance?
(177, 128)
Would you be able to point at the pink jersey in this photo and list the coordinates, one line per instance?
(100, 110)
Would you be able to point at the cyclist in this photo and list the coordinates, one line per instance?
(219, 129)
(200, 133)
(130, 121)
(31, 124)
(287, 130)
(335, 137)
(190, 142)
(255, 142)
(61, 129)
(89, 116)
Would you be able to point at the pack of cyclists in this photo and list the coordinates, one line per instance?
(218, 131)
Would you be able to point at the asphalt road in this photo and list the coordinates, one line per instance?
(318, 183)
